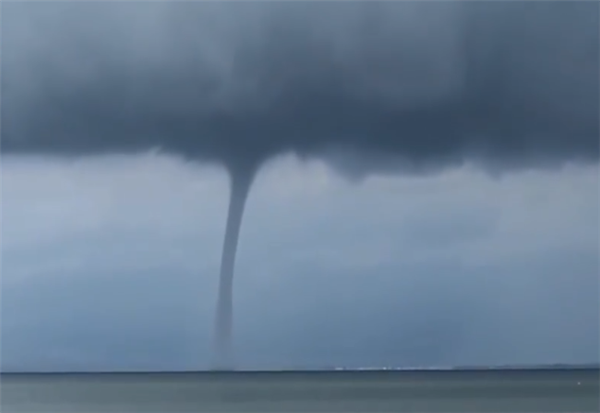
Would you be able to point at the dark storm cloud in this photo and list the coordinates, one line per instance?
(428, 83)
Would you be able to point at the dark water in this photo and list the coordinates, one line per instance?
(349, 391)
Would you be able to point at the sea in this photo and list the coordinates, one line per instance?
(453, 390)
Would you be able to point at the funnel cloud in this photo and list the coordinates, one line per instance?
(370, 87)
(240, 181)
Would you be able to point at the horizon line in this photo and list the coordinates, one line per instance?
(466, 368)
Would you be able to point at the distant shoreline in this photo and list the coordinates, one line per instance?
(366, 370)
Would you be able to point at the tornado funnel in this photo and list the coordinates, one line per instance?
(240, 181)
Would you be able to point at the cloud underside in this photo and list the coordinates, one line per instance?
(392, 86)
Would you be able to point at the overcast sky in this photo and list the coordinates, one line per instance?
(444, 212)
(112, 263)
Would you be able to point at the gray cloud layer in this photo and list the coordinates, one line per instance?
(428, 83)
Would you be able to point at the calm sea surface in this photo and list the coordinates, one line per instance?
(348, 391)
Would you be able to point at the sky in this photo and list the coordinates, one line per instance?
(422, 180)
(112, 263)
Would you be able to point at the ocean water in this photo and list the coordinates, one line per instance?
(345, 391)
